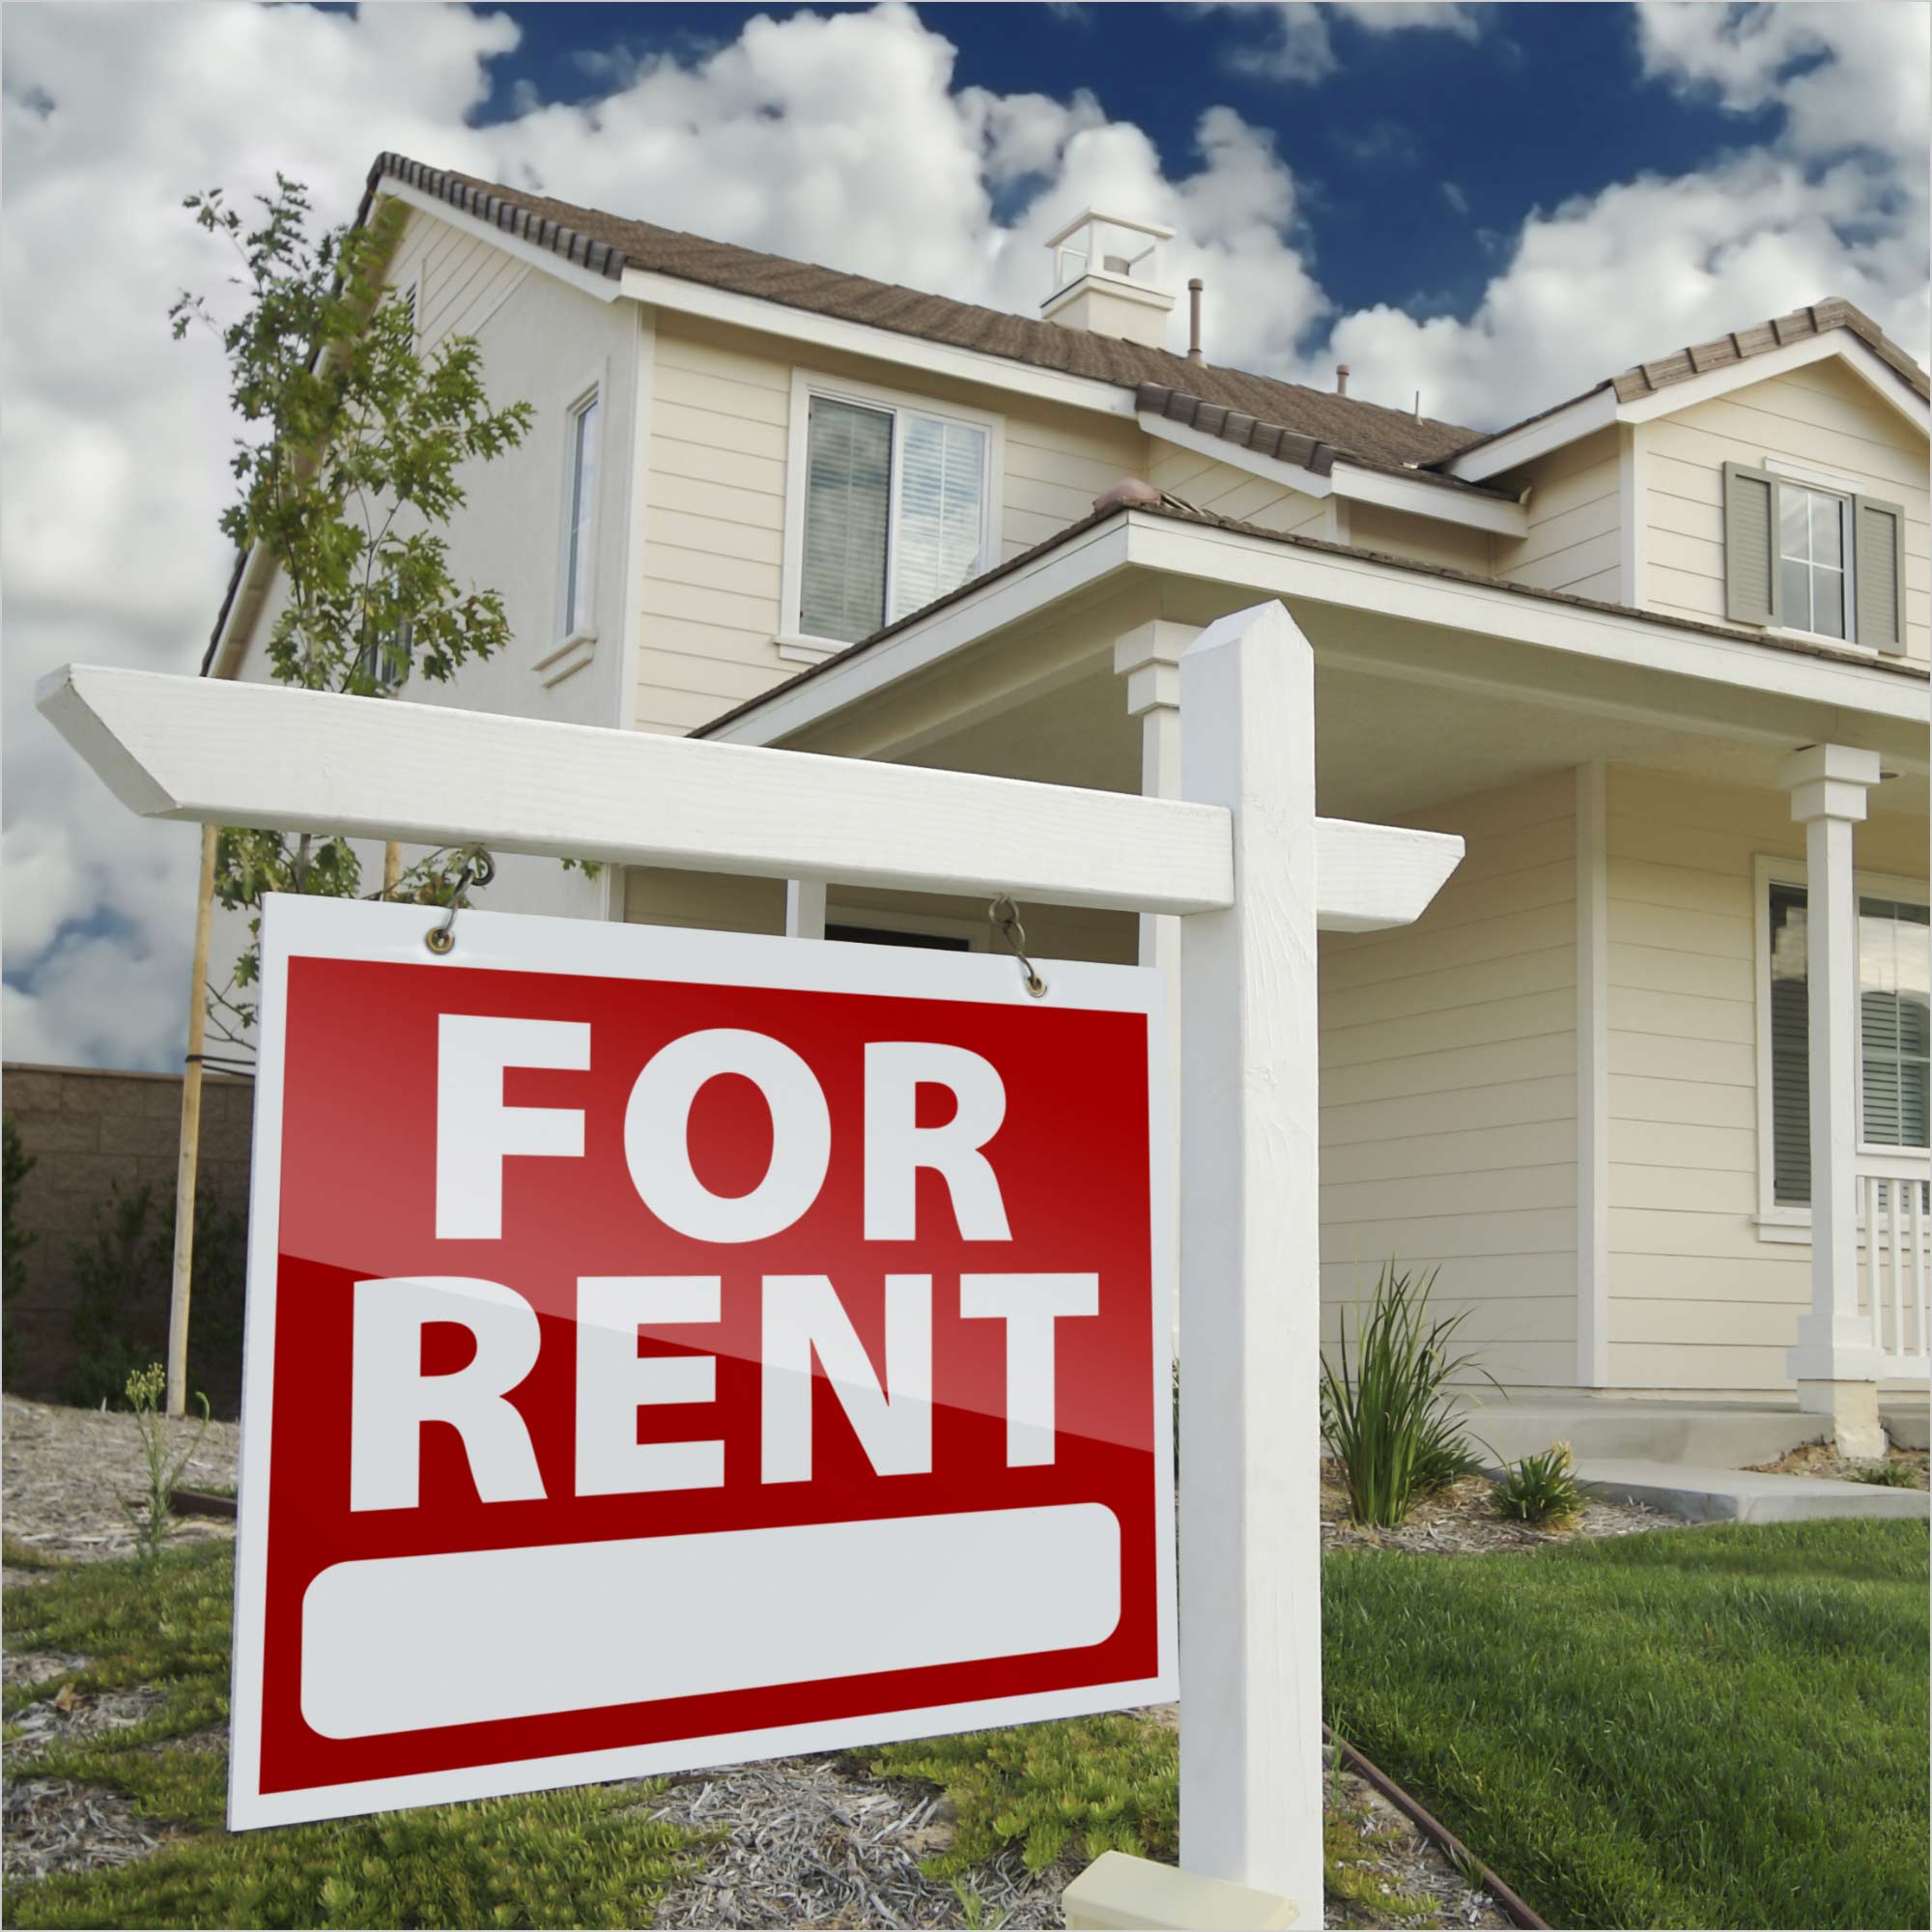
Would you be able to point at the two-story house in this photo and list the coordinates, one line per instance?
(1650, 1080)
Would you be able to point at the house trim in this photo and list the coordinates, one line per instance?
(1777, 1221)
(1600, 408)
(1185, 435)
(793, 641)
(605, 288)
(1593, 1078)
(637, 519)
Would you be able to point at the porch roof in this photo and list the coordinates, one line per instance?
(1908, 669)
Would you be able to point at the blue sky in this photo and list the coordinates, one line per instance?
(1545, 102)
(1494, 205)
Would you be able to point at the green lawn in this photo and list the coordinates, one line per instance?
(1708, 1728)
(590, 1857)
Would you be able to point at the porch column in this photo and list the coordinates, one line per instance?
(1148, 658)
(805, 909)
(1834, 1363)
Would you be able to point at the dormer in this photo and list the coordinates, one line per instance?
(1108, 277)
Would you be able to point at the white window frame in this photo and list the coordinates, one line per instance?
(792, 642)
(575, 644)
(1828, 483)
(1782, 1221)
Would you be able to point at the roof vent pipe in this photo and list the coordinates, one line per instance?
(1341, 378)
(1194, 287)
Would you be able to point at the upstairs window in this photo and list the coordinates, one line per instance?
(1811, 559)
(580, 522)
(893, 510)
(1829, 563)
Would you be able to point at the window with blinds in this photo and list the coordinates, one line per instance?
(1894, 1021)
(1894, 1033)
(895, 514)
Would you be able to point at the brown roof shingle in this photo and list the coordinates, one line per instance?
(610, 243)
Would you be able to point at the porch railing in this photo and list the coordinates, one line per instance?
(1895, 1264)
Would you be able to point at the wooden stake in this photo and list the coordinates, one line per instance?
(190, 1136)
(392, 867)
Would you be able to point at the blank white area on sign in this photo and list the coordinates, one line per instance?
(406, 1643)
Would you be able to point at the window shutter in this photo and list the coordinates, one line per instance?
(1879, 552)
(848, 475)
(1750, 545)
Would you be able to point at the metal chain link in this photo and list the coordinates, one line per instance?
(478, 869)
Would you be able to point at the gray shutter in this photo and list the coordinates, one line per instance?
(1879, 573)
(1750, 545)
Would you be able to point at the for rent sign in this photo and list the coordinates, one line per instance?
(667, 1347)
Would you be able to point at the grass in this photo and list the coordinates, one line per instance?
(1712, 1727)
(589, 1857)
(1889, 1476)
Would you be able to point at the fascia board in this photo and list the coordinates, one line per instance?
(1360, 583)
(807, 700)
(1430, 500)
(605, 288)
(880, 345)
(1185, 435)
(1594, 412)
(1839, 343)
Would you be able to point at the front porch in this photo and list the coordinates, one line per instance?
(1560, 1085)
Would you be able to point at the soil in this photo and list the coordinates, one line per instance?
(1462, 1520)
(1821, 1458)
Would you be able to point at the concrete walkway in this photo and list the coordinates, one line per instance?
(1712, 1495)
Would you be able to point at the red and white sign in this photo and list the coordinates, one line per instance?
(674, 1348)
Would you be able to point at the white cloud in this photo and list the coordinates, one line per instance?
(1456, 196)
(1297, 42)
(841, 139)
(1835, 203)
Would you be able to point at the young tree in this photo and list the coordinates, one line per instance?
(346, 475)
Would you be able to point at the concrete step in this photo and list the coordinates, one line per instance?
(1708, 1494)
(1720, 1435)
(1908, 1421)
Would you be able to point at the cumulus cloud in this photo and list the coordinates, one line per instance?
(1835, 203)
(1296, 42)
(843, 139)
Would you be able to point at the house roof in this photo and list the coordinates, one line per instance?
(1722, 352)
(610, 243)
(1183, 513)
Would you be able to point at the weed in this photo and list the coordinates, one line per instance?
(146, 1388)
(1541, 1489)
(1889, 1476)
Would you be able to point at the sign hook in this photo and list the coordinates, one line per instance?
(478, 869)
(1005, 918)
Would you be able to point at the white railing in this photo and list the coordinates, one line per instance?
(1895, 1263)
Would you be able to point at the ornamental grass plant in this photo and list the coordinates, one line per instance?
(1388, 1413)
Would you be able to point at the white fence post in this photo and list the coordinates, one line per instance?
(1250, 1534)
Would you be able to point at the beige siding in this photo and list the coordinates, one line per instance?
(1698, 1298)
(463, 279)
(714, 521)
(1575, 537)
(1229, 491)
(1449, 1088)
(1822, 414)
(1425, 539)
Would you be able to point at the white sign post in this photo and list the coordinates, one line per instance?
(1242, 854)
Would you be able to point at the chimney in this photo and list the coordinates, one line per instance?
(1107, 278)
(1341, 378)
(1194, 289)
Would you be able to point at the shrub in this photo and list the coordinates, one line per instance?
(1385, 1411)
(123, 1278)
(16, 1164)
(1541, 1489)
(1887, 1476)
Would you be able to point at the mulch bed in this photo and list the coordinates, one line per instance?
(1821, 1458)
(1462, 1520)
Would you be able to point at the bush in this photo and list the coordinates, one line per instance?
(1386, 1412)
(124, 1278)
(16, 1164)
(1541, 1489)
